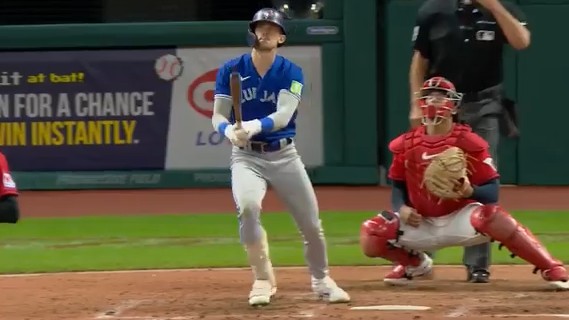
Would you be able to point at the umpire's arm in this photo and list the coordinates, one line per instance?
(419, 67)
(417, 73)
(512, 22)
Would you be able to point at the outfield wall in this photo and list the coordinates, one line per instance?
(73, 137)
(356, 63)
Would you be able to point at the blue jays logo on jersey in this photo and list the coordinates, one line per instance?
(260, 92)
(251, 94)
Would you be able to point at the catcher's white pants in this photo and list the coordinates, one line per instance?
(451, 230)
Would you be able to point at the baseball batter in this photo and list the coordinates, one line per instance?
(445, 193)
(264, 154)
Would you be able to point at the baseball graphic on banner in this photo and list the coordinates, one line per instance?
(169, 67)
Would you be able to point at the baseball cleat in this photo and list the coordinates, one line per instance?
(328, 290)
(560, 285)
(261, 293)
(478, 276)
(401, 275)
(557, 277)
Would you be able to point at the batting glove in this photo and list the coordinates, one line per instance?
(252, 127)
(241, 134)
(231, 134)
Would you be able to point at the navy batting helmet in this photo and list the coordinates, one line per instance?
(269, 15)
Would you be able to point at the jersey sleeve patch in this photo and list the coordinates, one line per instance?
(490, 162)
(296, 87)
(8, 182)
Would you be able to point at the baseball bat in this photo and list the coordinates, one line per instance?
(235, 86)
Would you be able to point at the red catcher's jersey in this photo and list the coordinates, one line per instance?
(413, 151)
(8, 186)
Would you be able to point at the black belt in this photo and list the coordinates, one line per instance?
(488, 93)
(262, 147)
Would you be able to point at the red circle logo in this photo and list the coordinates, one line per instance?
(201, 92)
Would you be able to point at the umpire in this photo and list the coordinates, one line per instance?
(463, 40)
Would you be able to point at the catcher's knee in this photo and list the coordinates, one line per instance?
(9, 209)
(378, 233)
(493, 221)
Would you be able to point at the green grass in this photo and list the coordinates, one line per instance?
(184, 241)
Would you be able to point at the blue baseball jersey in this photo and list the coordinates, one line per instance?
(259, 94)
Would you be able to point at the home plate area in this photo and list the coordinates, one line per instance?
(222, 294)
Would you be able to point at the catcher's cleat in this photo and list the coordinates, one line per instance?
(557, 277)
(401, 275)
(500, 225)
(478, 276)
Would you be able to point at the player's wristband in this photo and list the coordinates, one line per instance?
(267, 124)
(221, 128)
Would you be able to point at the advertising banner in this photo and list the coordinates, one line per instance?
(130, 109)
(194, 144)
(83, 110)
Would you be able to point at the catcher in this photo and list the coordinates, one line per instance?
(445, 193)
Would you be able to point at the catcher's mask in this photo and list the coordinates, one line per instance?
(438, 100)
(270, 16)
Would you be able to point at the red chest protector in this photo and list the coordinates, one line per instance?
(419, 149)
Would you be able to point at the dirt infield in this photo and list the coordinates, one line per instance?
(222, 294)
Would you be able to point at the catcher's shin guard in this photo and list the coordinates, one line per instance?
(499, 225)
(376, 235)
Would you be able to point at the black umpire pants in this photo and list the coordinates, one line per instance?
(483, 115)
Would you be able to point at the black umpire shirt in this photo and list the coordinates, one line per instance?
(463, 43)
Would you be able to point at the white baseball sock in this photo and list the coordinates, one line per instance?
(259, 259)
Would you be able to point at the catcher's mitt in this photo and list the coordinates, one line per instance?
(446, 173)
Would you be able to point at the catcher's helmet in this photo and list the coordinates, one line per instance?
(438, 100)
(268, 15)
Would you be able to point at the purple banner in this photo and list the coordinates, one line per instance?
(84, 110)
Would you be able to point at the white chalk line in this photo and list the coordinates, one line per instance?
(15, 275)
(458, 312)
(219, 316)
(151, 318)
(117, 310)
(116, 314)
(462, 310)
(310, 313)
